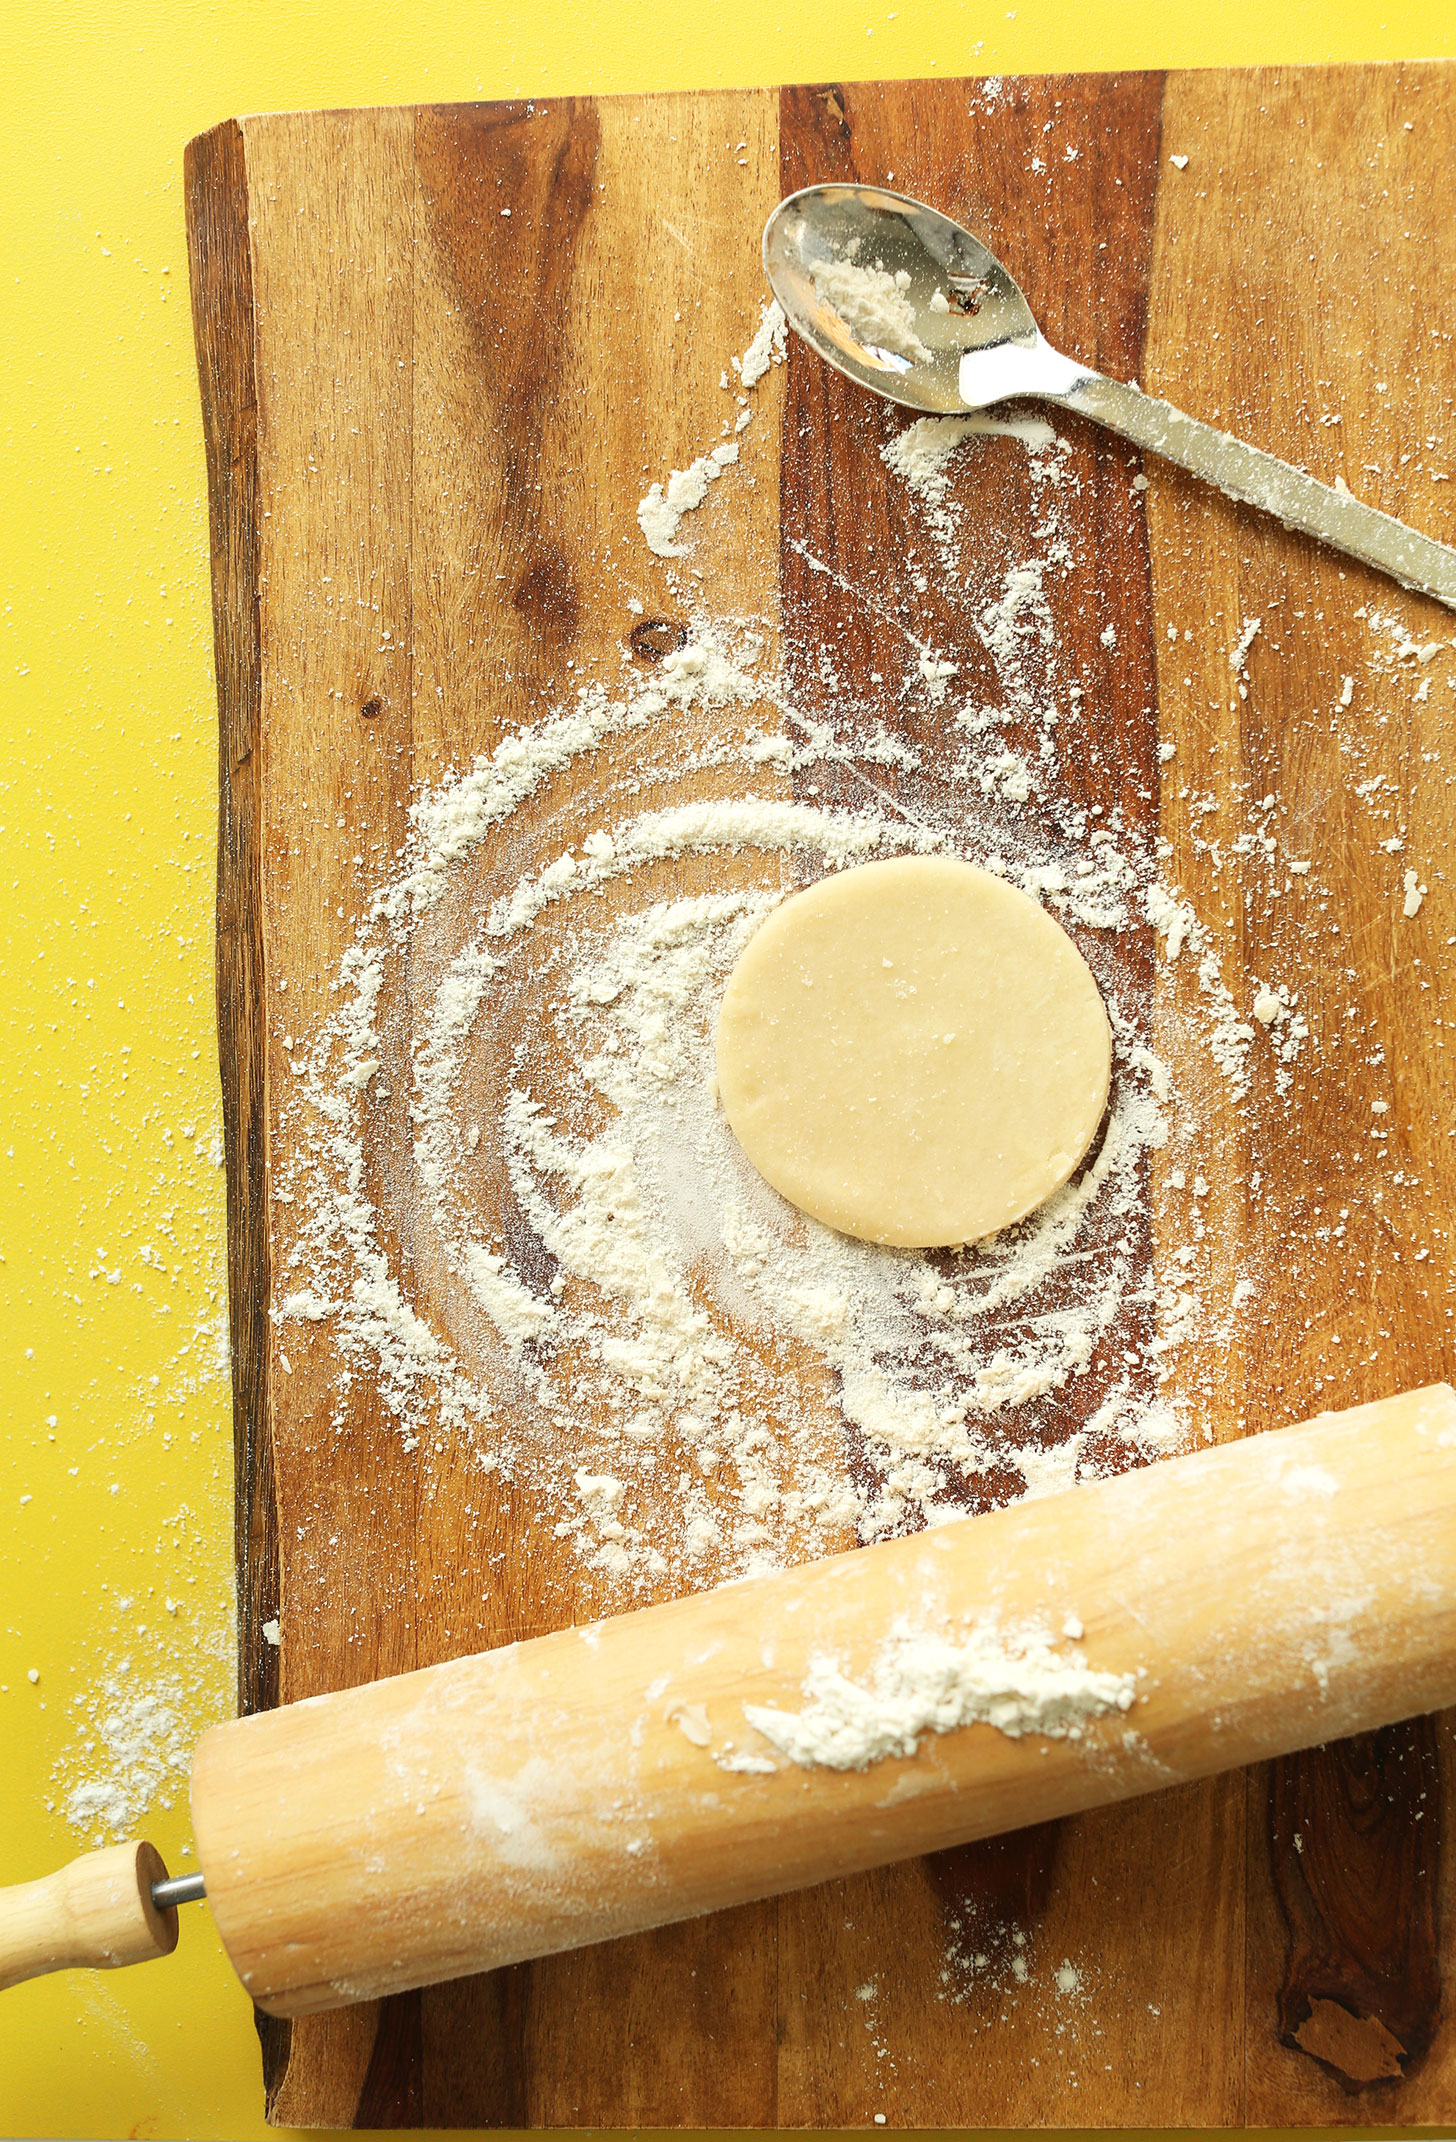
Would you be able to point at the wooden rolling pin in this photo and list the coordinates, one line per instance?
(1185, 1618)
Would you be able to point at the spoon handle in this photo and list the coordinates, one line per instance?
(1258, 479)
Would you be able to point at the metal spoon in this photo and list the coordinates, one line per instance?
(979, 344)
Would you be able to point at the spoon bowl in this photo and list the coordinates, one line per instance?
(809, 237)
(907, 303)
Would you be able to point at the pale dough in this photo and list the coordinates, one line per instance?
(914, 1052)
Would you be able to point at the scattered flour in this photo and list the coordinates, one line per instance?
(662, 1240)
(871, 302)
(769, 346)
(922, 1683)
(660, 513)
(168, 1664)
(924, 451)
(681, 1374)
(134, 1753)
(669, 1292)
(1239, 658)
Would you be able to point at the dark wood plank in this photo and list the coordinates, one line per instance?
(882, 594)
(970, 2052)
(216, 192)
(222, 309)
(1355, 1837)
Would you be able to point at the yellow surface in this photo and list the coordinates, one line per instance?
(115, 1474)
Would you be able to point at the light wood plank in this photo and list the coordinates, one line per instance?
(331, 210)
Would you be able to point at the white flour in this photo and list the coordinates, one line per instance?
(660, 513)
(924, 452)
(871, 301)
(159, 1664)
(678, 1277)
(602, 1300)
(135, 1751)
(922, 1683)
(769, 346)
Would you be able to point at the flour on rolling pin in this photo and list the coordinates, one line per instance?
(491, 1809)
(921, 1682)
(926, 1692)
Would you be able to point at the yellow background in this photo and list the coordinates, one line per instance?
(115, 1467)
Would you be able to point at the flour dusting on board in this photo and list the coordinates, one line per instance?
(660, 513)
(602, 1303)
(674, 1308)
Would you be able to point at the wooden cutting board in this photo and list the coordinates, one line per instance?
(450, 413)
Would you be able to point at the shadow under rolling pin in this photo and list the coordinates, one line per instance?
(1195, 1615)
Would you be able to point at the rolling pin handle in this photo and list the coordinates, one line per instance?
(95, 1914)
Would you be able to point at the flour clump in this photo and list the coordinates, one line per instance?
(926, 1683)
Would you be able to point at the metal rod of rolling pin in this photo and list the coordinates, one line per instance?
(178, 1889)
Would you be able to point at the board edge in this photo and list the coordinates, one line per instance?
(220, 268)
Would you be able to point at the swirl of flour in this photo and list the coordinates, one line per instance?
(601, 1290)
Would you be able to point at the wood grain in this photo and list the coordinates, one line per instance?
(390, 368)
(969, 153)
(221, 272)
(1238, 335)
(222, 305)
(93, 1915)
(591, 188)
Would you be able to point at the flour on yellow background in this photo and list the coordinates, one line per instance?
(914, 1052)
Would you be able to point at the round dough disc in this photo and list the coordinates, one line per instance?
(914, 1052)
